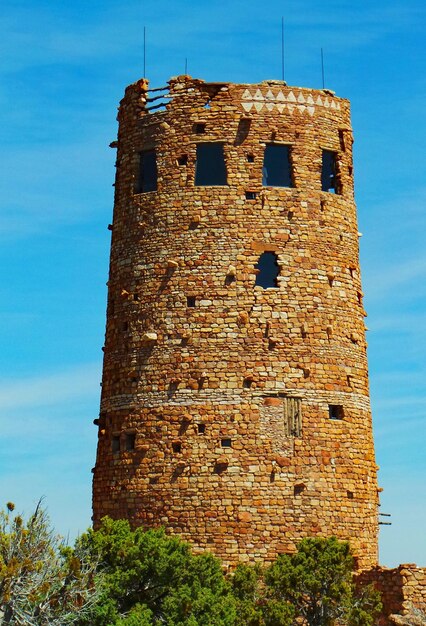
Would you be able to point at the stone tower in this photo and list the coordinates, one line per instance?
(235, 403)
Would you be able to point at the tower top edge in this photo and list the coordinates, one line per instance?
(186, 83)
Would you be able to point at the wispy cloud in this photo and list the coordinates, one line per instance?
(393, 277)
(46, 390)
(110, 31)
(48, 442)
(51, 195)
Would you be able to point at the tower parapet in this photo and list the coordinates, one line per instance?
(235, 404)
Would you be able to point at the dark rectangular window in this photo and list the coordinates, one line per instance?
(226, 443)
(147, 176)
(328, 172)
(210, 168)
(335, 411)
(190, 301)
(277, 166)
(130, 441)
(116, 443)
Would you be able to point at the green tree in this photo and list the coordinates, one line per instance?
(318, 582)
(150, 579)
(42, 582)
(253, 608)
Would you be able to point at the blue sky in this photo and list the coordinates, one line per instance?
(64, 67)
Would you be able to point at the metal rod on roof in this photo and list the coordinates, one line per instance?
(144, 51)
(322, 68)
(186, 66)
(282, 48)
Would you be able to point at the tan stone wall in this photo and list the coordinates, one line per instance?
(403, 592)
(169, 368)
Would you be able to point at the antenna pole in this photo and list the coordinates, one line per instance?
(186, 66)
(282, 48)
(322, 68)
(144, 51)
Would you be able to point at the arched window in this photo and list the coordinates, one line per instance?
(268, 270)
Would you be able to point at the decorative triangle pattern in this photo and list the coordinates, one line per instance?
(271, 100)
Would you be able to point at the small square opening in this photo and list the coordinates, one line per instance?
(201, 429)
(176, 446)
(250, 158)
(183, 159)
(298, 489)
(335, 411)
(199, 128)
(251, 195)
(190, 301)
(247, 382)
(226, 443)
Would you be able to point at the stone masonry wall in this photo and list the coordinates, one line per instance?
(403, 592)
(193, 428)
